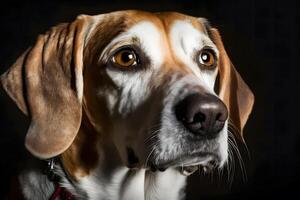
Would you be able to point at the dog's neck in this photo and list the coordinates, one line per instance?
(108, 178)
(111, 182)
(90, 169)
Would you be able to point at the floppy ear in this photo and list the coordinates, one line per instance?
(46, 83)
(235, 93)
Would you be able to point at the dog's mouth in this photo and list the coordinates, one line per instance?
(189, 170)
(186, 165)
(205, 162)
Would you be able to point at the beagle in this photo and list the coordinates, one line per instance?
(126, 103)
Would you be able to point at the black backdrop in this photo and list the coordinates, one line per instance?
(261, 38)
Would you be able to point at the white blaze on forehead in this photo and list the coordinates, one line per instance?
(185, 41)
(151, 41)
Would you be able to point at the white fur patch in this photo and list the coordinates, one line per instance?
(186, 40)
(35, 185)
(151, 41)
(134, 186)
(164, 185)
(223, 147)
(133, 88)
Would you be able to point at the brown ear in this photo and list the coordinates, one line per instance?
(235, 93)
(46, 83)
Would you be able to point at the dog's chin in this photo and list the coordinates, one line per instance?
(187, 165)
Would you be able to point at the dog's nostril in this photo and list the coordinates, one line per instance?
(219, 117)
(199, 117)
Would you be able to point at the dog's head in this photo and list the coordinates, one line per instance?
(144, 81)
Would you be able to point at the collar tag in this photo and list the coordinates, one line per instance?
(49, 170)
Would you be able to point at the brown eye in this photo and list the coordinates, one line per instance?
(125, 58)
(207, 58)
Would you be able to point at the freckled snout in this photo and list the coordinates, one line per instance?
(202, 114)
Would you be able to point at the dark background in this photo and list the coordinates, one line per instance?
(261, 38)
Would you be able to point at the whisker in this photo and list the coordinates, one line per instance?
(147, 159)
(230, 165)
(232, 142)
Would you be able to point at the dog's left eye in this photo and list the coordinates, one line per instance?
(125, 58)
(206, 58)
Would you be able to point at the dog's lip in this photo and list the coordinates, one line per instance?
(205, 167)
(189, 164)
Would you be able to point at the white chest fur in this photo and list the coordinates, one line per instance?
(135, 185)
(123, 184)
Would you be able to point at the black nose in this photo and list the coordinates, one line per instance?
(202, 114)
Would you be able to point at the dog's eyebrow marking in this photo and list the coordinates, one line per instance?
(122, 40)
(147, 35)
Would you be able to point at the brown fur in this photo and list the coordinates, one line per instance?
(233, 90)
(82, 156)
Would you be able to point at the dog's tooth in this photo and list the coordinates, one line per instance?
(186, 171)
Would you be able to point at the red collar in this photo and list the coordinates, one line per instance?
(15, 192)
(61, 193)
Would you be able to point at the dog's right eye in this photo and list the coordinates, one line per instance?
(125, 58)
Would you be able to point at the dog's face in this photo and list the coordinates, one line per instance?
(145, 82)
(155, 80)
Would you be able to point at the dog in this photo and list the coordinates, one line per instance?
(126, 105)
